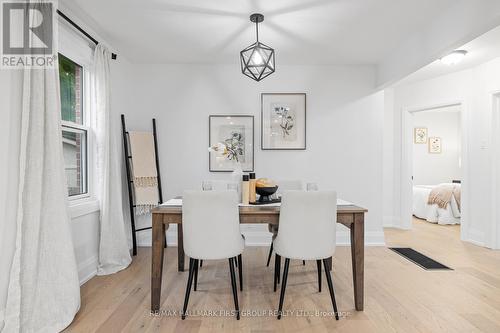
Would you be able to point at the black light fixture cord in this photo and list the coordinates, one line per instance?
(257, 30)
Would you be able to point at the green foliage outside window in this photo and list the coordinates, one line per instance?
(69, 73)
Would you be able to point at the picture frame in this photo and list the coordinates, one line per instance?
(237, 133)
(420, 135)
(283, 121)
(435, 145)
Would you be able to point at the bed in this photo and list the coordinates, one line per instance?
(432, 213)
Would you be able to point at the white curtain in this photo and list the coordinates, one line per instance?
(114, 254)
(44, 291)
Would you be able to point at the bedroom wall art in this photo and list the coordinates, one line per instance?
(420, 135)
(435, 145)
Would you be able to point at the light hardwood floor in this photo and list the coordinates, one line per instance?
(399, 295)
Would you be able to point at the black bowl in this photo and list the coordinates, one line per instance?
(265, 192)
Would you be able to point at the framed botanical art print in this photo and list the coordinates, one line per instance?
(435, 145)
(233, 134)
(420, 135)
(283, 121)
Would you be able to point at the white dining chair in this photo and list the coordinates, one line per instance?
(307, 231)
(211, 231)
(283, 185)
(217, 185)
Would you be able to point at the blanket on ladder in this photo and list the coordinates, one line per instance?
(144, 171)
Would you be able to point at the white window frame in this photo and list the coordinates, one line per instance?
(80, 50)
(69, 126)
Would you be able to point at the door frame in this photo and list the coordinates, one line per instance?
(406, 194)
(494, 239)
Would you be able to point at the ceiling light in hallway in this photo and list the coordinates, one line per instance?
(454, 57)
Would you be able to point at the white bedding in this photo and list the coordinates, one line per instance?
(432, 213)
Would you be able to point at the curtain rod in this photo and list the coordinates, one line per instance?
(77, 27)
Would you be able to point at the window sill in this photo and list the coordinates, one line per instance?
(81, 207)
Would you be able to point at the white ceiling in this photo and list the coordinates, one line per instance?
(450, 109)
(301, 31)
(480, 50)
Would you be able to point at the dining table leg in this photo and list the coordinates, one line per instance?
(358, 259)
(157, 260)
(180, 249)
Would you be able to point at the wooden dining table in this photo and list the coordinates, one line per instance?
(350, 216)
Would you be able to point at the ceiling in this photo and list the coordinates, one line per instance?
(455, 108)
(480, 50)
(301, 31)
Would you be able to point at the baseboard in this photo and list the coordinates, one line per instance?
(375, 238)
(475, 237)
(144, 238)
(372, 238)
(391, 222)
(255, 237)
(87, 269)
(396, 227)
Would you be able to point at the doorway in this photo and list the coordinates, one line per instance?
(434, 157)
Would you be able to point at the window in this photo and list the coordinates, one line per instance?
(74, 126)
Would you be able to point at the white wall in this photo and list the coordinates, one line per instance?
(475, 89)
(389, 194)
(431, 169)
(122, 93)
(344, 129)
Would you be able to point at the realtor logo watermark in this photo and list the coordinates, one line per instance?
(29, 34)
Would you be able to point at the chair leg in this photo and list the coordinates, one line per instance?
(330, 287)
(235, 262)
(303, 262)
(240, 271)
(196, 261)
(233, 285)
(269, 255)
(188, 288)
(329, 260)
(318, 263)
(277, 266)
(283, 287)
(201, 263)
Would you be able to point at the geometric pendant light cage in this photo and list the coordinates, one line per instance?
(257, 60)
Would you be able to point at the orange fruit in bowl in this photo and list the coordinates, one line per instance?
(265, 182)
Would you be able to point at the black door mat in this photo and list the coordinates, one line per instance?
(419, 259)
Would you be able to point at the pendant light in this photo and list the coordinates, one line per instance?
(257, 60)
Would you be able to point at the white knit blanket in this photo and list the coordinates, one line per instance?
(144, 172)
